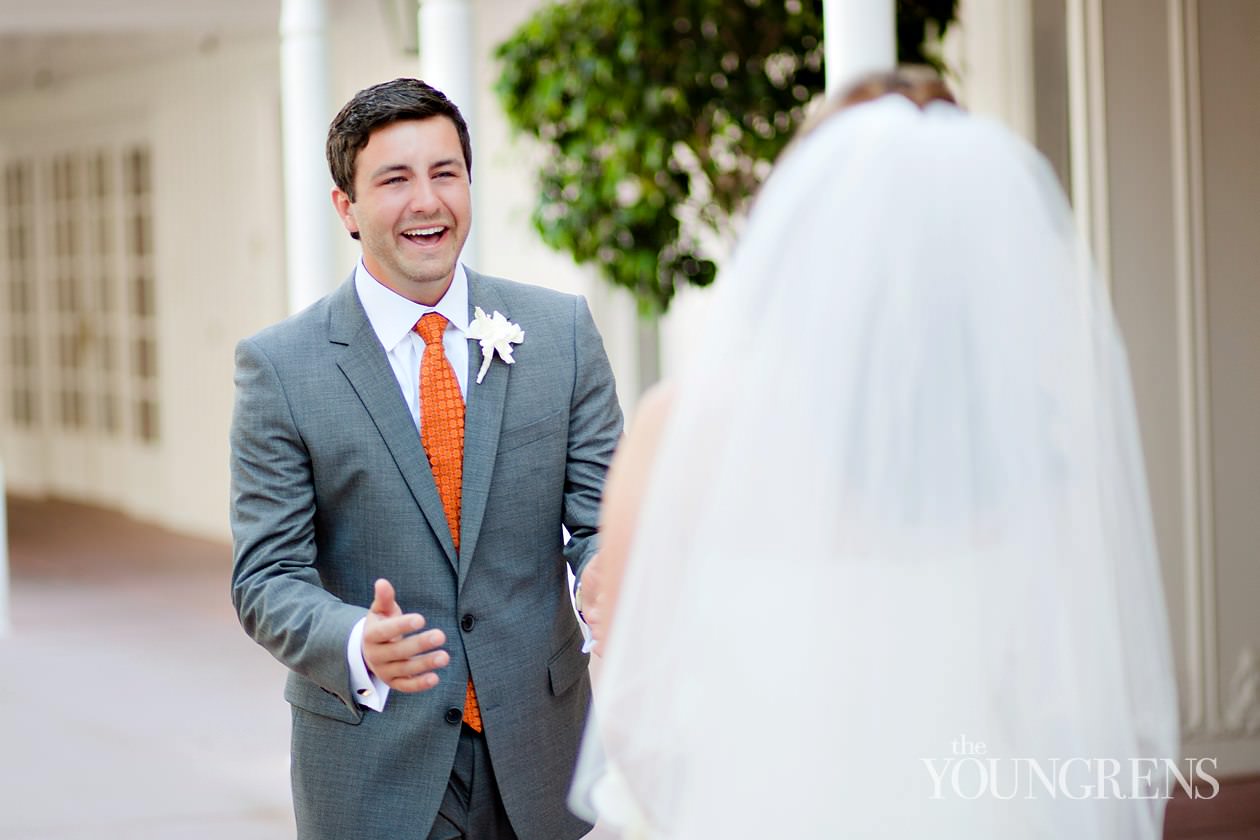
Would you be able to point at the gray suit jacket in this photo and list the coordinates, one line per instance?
(331, 490)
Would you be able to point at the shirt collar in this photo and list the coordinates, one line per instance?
(393, 316)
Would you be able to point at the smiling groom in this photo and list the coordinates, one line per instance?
(405, 453)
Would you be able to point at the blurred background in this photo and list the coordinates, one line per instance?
(164, 194)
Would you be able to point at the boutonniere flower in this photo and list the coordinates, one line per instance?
(497, 335)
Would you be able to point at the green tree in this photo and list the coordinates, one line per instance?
(661, 118)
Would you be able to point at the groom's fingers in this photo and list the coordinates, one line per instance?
(410, 647)
(414, 666)
(416, 672)
(384, 602)
(379, 630)
(412, 685)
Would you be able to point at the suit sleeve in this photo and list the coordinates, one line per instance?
(276, 587)
(594, 430)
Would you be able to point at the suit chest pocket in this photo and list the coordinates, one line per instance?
(534, 430)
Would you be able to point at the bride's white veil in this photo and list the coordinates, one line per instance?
(897, 536)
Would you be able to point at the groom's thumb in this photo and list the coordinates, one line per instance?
(383, 603)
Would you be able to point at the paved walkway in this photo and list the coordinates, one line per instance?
(131, 704)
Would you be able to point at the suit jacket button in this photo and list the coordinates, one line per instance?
(468, 622)
(454, 715)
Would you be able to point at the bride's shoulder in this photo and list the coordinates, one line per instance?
(653, 410)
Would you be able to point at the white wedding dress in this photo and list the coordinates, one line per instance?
(899, 511)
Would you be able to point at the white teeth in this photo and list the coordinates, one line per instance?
(424, 231)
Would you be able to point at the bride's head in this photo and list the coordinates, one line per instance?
(919, 84)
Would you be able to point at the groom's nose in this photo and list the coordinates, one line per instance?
(424, 199)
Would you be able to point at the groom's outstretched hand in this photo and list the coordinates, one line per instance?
(395, 650)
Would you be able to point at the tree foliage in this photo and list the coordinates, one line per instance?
(660, 118)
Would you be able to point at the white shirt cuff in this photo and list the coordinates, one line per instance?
(370, 691)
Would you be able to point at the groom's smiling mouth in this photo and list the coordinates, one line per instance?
(427, 235)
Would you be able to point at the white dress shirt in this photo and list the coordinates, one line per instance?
(393, 318)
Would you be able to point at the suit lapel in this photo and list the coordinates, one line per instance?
(365, 365)
(482, 422)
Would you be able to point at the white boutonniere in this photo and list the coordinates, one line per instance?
(497, 335)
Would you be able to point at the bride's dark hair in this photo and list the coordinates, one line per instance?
(918, 83)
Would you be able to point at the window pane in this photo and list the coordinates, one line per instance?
(146, 363)
(109, 413)
(148, 424)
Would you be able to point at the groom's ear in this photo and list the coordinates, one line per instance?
(344, 205)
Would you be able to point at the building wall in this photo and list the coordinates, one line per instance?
(1142, 269)
(1229, 126)
(209, 123)
(1182, 124)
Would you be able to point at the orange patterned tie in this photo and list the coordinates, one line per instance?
(442, 434)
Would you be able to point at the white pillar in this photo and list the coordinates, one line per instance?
(1087, 123)
(310, 223)
(446, 62)
(4, 561)
(859, 36)
(995, 61)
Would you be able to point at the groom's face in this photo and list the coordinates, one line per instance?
(412, 207)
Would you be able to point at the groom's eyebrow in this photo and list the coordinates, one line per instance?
(441, 164)
(387, 168)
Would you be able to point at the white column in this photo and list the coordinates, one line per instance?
(859, 36)
(1087, 122)
(4, 561)
(996, 61)
(310, 223)
(446, 62)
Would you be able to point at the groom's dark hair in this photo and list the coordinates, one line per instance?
(380, 105)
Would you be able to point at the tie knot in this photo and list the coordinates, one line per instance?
(430, 327)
